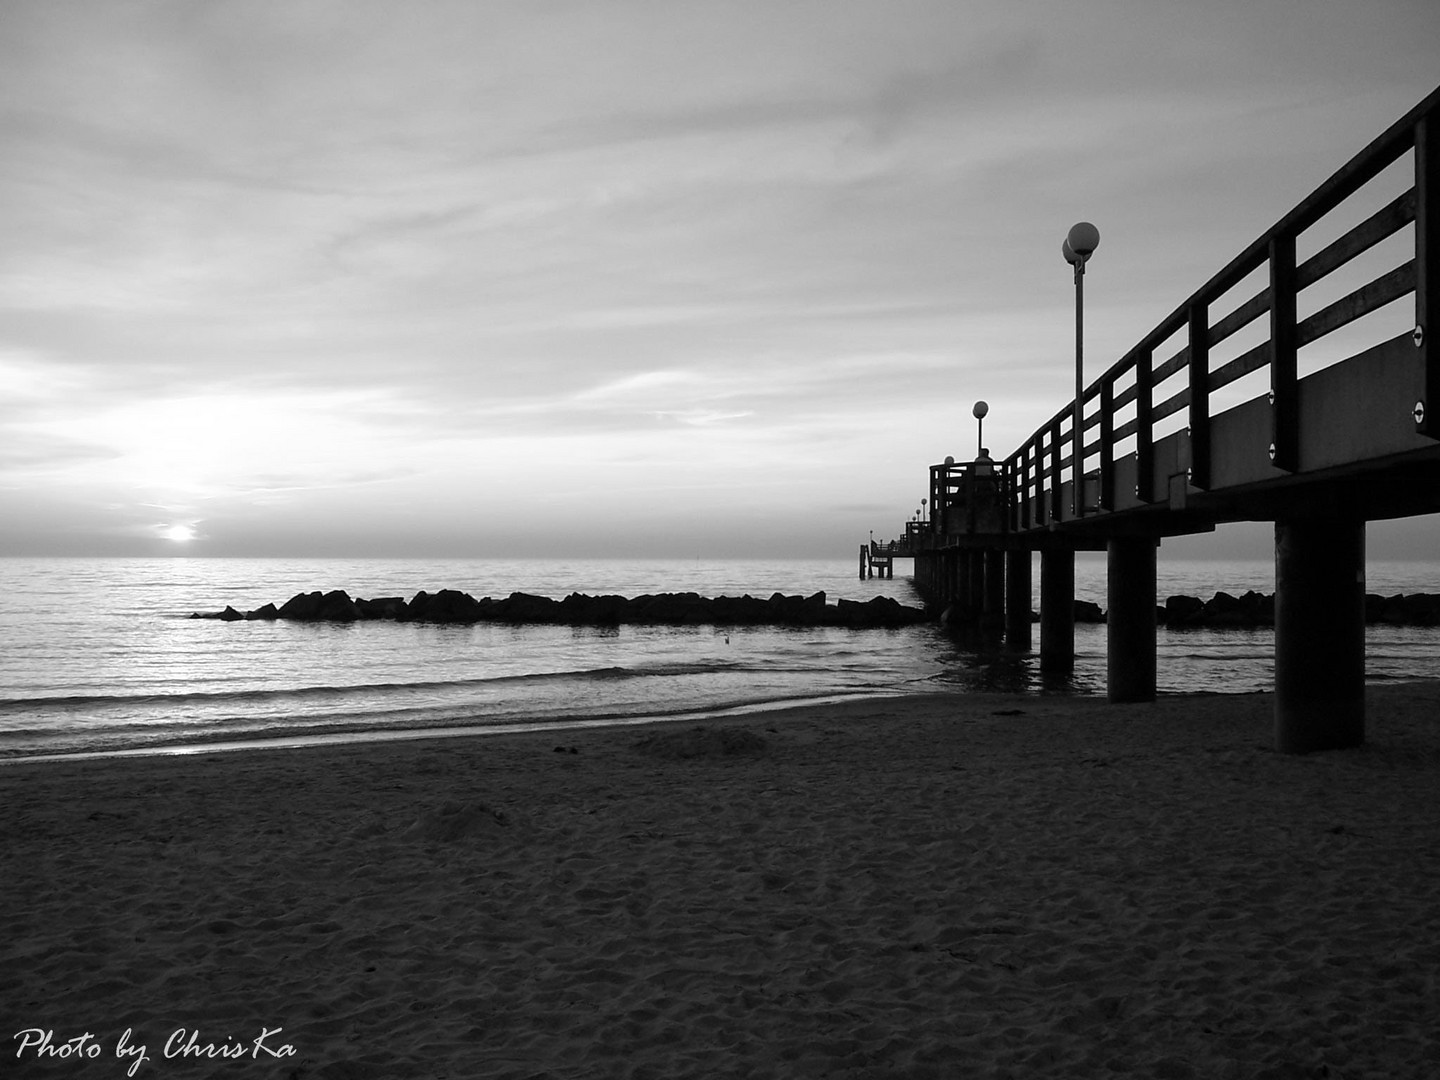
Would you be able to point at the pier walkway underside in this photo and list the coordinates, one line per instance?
(1328, 445)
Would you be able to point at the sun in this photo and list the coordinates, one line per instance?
(179, 534)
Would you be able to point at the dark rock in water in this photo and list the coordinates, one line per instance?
(265, 612)
(446, 606)
(670, 608)
(1087, 611)
(577, 609)
(1222, 603)
(382, 607)
(228, 615)
(881, 611)
(338, 607)
(1421, 609)
(1258, 608)
(302, 606)
(1183, 610)
(523, 607)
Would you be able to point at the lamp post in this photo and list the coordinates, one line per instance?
(1077, 248)
(979, 412)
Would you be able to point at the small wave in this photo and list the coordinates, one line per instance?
(118, 742)
(74, 702)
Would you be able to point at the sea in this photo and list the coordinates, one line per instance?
(99, 656)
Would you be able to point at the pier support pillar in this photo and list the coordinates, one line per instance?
(1319, 635)
(992, 608)
(976, 585)
(1057, 610)
(1017, 601)
(963, 599)
(1130, 599)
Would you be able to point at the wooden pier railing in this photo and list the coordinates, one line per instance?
(1045, 482)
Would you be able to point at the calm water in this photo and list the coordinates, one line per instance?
(97, 654)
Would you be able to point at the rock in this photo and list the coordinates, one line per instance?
(686, 608)
(337, 606)
(302, 606)
(525, 608)
(1222, 610)
(577, 609)
(266, 612)
(1422, 609)
(382, 607)
(446, 606)
(1258, 609)
(1087, 611)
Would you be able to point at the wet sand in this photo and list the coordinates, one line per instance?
(976, 886)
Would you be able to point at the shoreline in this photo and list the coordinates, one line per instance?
(928, 886)
(308, 738)
(301, 738)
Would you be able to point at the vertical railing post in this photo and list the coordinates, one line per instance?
(1144, 428)
(1427, 271)
(1057, 508)
(1107, 444)
(1042, 496)
(1284, 353)
(937, 497)
(1199, 394)
(1026, 510)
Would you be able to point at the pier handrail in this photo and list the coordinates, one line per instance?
(1036, 471)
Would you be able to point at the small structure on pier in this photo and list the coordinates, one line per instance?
(880, 555)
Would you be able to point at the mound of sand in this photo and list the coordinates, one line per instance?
(454, 821)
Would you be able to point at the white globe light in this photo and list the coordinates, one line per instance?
(980, 410)
(1084, 238)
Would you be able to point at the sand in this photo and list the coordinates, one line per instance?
(976, 886)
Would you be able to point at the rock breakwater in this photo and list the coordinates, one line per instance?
(579, 609)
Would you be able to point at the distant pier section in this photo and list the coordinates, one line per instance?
(877, 558)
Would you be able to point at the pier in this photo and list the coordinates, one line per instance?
(1229, 428)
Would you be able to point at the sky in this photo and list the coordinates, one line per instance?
(615, 277)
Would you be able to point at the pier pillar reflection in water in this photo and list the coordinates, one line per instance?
(1057, 610)
(1319, 635)
(1017, 600)
(1130, 630)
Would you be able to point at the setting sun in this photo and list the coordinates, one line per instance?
(179, 534)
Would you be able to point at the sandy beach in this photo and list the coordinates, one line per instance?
(976, 886)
